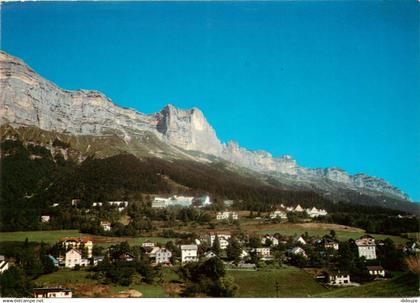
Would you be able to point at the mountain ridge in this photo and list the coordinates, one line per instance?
(28, 99)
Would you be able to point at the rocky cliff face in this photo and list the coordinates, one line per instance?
(28, 99)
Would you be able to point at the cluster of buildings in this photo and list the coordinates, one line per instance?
(311, 212)
(227, 215)
(181, 201)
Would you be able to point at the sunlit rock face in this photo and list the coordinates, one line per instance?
(28, 99)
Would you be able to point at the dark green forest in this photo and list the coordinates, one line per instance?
(32, 180)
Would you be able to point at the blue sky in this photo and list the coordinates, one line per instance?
(330, 83)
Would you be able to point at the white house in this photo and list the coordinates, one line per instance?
(55, 204)
(339, 279)
(227, 215)
(52, 292)
(278, 214)
(274, 241)
(263, 252)
(106, 226)
(148, 243)
(299, 239)
(314, 212)
(78, 243)
(298, 209)
(45, 219)
(366, 247)
(223, 240)
(73, 258)
(377, 271)
(297, 251)
(189, 253)
(4, 265)
(159, 202)
(163, 256)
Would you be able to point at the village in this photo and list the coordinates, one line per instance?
(324, 257)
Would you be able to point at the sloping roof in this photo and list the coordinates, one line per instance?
(78, 251)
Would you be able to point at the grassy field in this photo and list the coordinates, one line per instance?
(64, 277)
(406, 285)
(52, 236)
(84, 287)
(292, 282)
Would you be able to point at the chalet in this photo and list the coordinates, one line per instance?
(4, 265)
(297, 251)
(148, 243)
(366, 247)
(299, 239)
(106, 226)
(267, 238)
(78, 243)
(298, 209)
(223, 240)
(52, 292)
(151, 251)
(263, 252)
(330, 244)
(338, 278)
(163, 256)
(278, 214)
(227, 215)
(45, 219)
(73, 258)
(314, 212)
(377, 271)
(189, 253)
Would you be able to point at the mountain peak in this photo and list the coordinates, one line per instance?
(27, 99)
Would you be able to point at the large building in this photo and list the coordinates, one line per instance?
(163, 256)
(278, 214)
(189, 253)
(78, 243)
(223, 240)
(159, 202)
(366, 247)
(227, 215)
(52, 292)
